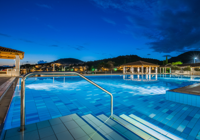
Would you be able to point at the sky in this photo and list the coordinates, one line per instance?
(96, 29)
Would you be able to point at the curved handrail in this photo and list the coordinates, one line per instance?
(22, 127)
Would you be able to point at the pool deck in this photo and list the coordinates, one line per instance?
(191, 89)
(71, 127)
(7, 88)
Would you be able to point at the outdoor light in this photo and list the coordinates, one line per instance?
(194, 59)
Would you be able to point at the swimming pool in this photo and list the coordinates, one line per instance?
(143, 95)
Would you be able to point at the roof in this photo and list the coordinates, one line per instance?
(140, 63)
(167, 65)
(7, 53)
(9, 50)
(190, 64)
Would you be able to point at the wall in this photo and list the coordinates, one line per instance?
(196, 72)
(183, 98)
(180, 72)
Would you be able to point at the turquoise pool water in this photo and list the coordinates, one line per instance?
(143, 95)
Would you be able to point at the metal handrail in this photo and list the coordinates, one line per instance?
(22, 127)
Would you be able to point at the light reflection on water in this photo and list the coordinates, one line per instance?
(134, 84)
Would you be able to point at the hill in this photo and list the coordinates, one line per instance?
(187, 57)
(69, 61)
(122, 60)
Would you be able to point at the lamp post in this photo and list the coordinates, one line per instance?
(194, 59)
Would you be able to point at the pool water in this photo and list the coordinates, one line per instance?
(142, 95)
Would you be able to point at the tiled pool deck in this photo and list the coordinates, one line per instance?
(70, 127)
(182, 120)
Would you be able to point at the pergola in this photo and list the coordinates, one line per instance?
(7, 53)
(142, 67)
(164, 67)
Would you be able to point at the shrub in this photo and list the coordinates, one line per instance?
(197, 69)
(187, 68)
(175, 68)
(177, 63)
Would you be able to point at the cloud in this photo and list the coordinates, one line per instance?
(171, 26)
(21, 39)
(79, 47)
(25, 40)
(54, 45)
(5, 35)
(44, 6)
(167, 55)
(109, 21)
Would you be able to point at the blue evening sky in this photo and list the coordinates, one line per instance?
(97, 29)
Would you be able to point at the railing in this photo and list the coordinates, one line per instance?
(22, 127)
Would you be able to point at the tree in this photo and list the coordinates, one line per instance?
(124, 61)
(177, 63)
(110, 65)
(100, 65)
(166, 61)
(92, 68)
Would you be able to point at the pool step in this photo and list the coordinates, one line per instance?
(145, 128)
(103, 128)
(119, 128)
(134, 129)
(156, 128)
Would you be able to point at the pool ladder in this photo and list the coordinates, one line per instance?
(22, 114)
